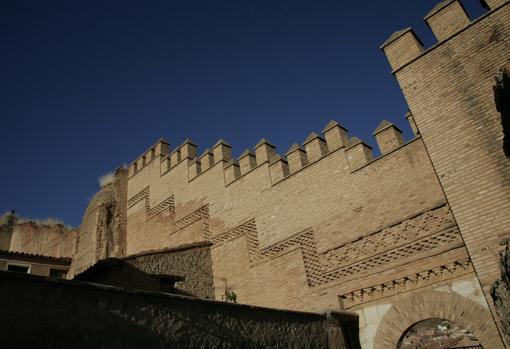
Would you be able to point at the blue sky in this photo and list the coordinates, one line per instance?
(88, 85)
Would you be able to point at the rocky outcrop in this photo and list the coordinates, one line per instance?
(500, 293)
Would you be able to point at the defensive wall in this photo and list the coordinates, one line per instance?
(343, 231)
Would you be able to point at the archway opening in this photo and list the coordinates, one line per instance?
(438, 334)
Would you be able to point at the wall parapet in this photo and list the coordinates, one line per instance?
(446, 20)
(298, 158)
(158, 149)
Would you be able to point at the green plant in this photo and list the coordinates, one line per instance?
(230, 296)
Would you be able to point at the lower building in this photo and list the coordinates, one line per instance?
(26, 263)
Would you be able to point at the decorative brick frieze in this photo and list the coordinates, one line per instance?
(389, 238)
(144, 193)
(165, 205)
(202, 214)
(407, 283)
(416, 237)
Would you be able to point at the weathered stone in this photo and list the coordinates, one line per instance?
(500, 292)
(85, 315)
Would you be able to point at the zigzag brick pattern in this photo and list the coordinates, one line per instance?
(429, 231)
(165, 205)
(202, 214)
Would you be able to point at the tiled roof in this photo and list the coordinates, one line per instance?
(25, 254)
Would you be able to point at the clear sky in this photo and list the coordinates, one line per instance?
(89, 85)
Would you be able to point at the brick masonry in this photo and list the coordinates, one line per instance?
(449, 92)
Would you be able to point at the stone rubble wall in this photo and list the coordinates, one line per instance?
(191, 263)
(84, 315)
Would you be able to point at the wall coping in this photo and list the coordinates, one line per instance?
(438, 44)
(341, 315)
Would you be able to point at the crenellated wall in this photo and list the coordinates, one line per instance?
(341, 177)
(322, 227)
(158, 157)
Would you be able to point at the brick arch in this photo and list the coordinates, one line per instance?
(425, 305)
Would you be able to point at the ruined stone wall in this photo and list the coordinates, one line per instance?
(88, 248)
(53, 240)
(102, 233)
(449, 89)
(92, 316)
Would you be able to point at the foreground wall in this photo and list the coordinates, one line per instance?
(91, 316)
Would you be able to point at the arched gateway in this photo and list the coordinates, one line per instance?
(438, 334)
(407, 312)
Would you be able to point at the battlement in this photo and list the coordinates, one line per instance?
(158, 149)
(315, 147)
(446, 19)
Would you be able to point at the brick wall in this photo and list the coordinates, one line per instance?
(323, 206)
(449, 92)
